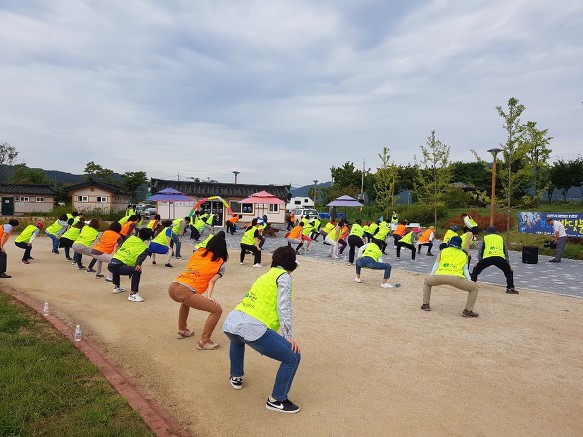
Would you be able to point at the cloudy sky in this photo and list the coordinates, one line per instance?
(280, 90)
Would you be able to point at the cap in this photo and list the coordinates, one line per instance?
(455, 242)
(416, 229)
(490, 230)
(39, 225)
(454, 228)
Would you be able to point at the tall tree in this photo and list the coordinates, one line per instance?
(434, 173)
(132, 181)
(537, 155)
(24, 175)
(385, 178)
(93, 169)
(8, 155)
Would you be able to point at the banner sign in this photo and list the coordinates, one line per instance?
(536, 222)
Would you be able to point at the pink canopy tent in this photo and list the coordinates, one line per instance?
(263, 198)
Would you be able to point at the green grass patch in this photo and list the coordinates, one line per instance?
(49, 388)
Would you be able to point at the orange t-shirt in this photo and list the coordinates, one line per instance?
(107, 242)
(200, 270)
(400, 230)
(127, 228)
(233, 219)
(425, 237)
(295, 233)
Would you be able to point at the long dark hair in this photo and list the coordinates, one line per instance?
(218, 247)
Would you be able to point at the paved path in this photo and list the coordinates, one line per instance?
(565, 278)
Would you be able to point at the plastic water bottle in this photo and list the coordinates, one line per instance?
(78, 333)
(46, 309)
(398, 284)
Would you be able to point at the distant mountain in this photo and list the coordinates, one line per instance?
(303, 191)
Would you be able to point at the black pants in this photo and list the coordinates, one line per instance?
(497, 261)
(3, 261)
(408, 246)
(396, 237)
(118, 269)
(230, 228)
(429, 246)
(27, 249)
(194, 234)
(354, 241)
(252, 248)
(342, 244)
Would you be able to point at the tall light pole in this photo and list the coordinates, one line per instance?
(494, 152)
(315, 193)
(236, 173)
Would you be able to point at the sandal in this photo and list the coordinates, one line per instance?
(208, 346)
(184, 334)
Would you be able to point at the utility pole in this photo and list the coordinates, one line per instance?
(235, 172)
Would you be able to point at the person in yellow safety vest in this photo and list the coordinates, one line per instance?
(25, 239)
(325, 230)
(372, 258)
(55, 231)
(83, 243)
(103, 250)
(196, 226)
(394, 220)
(153, 223)
(160, 244)
(250, 241)
(179, 227)
(210, 222)
(467, 238)
(261, 225)
(381, 234)
(69, 237)
(128, 227)
(451, 232)
(5, 231)
(267, 307)
(316, 231)
(355, 239)
(408, 241)
(470, 224)
(493, 252)
(75, 216)
(372, 229)
(205, 267)
(332, 239)
(451, 268)
(307, 230)
(426, 239)
(128, 261)
(204, 244)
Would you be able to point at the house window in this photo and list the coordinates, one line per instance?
(297, 202)
(273, 208)
(24, 199)
(101, 199)
(82, 199)
(40, 199)
(247, 208)
(235, 207)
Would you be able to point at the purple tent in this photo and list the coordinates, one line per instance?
(345, 201)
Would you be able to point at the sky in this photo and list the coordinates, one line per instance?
(280, 91)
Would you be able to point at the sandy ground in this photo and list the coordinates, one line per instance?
(372, 363)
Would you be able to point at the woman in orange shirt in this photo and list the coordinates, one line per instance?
(104, 249)
(295, 236)
(204, 269)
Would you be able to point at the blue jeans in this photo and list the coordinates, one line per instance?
(55, 241)
(368, 262)
(176, 240)
(274, 346)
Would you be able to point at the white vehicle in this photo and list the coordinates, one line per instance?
(311, 213)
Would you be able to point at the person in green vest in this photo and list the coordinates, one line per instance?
(128, 261)
(326, 230)
(470, 224)
(210, 222)
(265, 309)
(204, 244)
(83, 243)
(451, 232)
(25, 239)
(355, 240)
(160, 244)
(179, 227)
(381, 234)
(56, 230)
(394, 220)
(408, 241)
(316, 231)
(493, 252)
(451, 268)
(250, 241)
(371, 258)
(196, 226)
(69, 237)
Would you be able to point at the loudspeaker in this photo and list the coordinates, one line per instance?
(530, 255)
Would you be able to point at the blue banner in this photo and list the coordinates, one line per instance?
(536, 222)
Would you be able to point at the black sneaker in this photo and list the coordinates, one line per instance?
(468, 313)
(236, 382)
(511, 291)
(425, 307)
(286, 406)
(168, 265)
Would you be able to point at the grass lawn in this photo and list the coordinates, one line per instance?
(49, 388)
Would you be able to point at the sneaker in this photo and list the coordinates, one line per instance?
(135, 297)
(236, 382)
(350, 265)
(69, 258)
(154, 262)
(553, 260)
(55, 252)
(89, 270)
(398, 259)
(386, 285)
(74, 262)
(511, 291)
(179, 257)
(358, 280)
(99, 276)
(257, 266)
(425, 307)
(286, 406)
(168, 265)
(468, 313)
(117, 290)
(108, 280)
(4, 275)
(430, 254)
(241, 263)
(24, 261)
(80, 267)
(335, 257)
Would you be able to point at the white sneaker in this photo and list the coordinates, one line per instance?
(358, 280)
(398, 259)
(386, 285)
(135, 297)
(118, 290)
(242, 263)
(257, 265)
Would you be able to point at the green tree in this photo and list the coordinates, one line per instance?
(564, 175)
(24, 175)
(132, 181)
(93, 169)
(8, 155)
(385, 178)
(434, 173)
(537, 155)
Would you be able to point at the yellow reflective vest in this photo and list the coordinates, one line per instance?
(452, 261)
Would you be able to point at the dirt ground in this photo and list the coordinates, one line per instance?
(372, 362)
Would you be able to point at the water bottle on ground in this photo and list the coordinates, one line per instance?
(46, 309)
(78, 333)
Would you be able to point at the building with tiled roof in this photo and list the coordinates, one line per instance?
(18, 199)
(96, 194)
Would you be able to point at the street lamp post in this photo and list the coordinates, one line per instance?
(236, 173)
(315, 193)
(494, 152)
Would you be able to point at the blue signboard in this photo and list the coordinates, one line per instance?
(536, 222)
